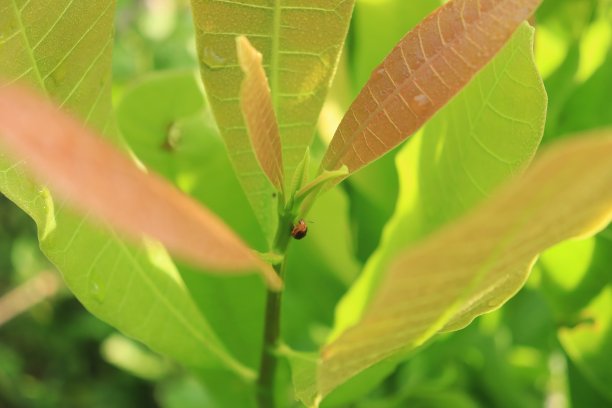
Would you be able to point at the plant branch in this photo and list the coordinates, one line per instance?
(267, 367)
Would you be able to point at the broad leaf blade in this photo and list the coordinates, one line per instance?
(564, 195)
(95, 178)
(258, 112)
(198, 164)
(299, 62)
(489, 132)
(423, 72)
(64, 49)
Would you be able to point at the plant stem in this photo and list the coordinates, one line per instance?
(267, 367)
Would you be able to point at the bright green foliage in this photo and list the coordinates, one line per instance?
(459, 157)
(134, 289)
(197, 163)
(441, 169)
(299, 63)
(577, 280)
(369, 43)
(373, 201)
(214, 325)
(590, 339)
(175, 137)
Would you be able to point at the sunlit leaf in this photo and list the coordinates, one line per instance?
(424, 71)
(495, 123)
(299, 62)
(372, 201)
(64, 48)
(490, 131)
(565, 194)
(95, 178)
(198, 164)
(588, 342)
(259, 117)
(369, 44)
(576, 279)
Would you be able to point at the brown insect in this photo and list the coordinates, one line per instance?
(299, 230)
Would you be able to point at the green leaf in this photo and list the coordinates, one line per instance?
(588, 343)
(486, 257)
(199, 165)
(459, 157)
(97, 179)
(369, 44)
(372, 202)
(64, 49)
(322, 266)
(577, 281)
(308, 193)
(438, 166)
(573, 274)
(175, 136)
(299, 63)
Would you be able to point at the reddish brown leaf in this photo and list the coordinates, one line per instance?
(95, 178)
(424, 71)
(258, 112)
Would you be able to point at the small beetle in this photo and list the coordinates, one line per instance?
(299, 230)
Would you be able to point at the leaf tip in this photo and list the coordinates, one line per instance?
(247, 54)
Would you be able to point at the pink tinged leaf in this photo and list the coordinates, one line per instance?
(258, 112)
(422, 73)
(95, 178)
(475, 264)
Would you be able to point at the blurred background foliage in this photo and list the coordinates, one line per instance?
(548, 346)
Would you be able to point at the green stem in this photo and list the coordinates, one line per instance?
(267, 367)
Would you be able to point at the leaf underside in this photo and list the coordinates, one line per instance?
(423, 72)
(487, 133)
(95, 178)
(63, 48)
(299, 62)
(565, 194)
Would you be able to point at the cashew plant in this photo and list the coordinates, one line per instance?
(208, 223)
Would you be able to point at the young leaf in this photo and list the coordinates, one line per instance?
(423, 72)
(306, 196)
(489, 132)
(302, 173)
(258, 112)
(299, 63)
(477, 263)
(95, 178)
